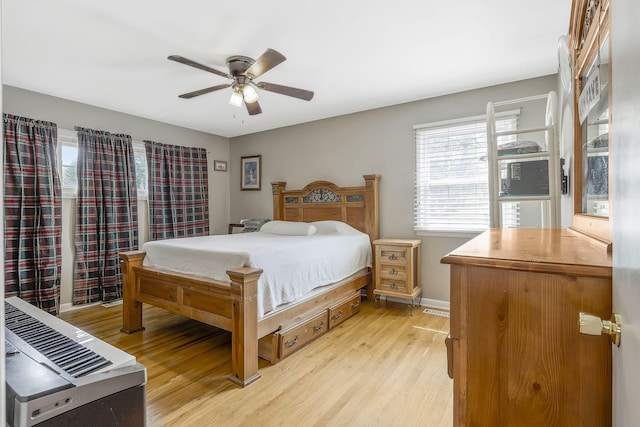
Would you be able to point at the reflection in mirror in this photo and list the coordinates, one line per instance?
(594, 117)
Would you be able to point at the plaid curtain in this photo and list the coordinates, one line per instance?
(106, 214)
(178, 191)
(32, 212)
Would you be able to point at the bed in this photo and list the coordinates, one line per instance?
(232, 304)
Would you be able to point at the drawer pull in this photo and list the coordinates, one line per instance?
(337, 315)
(393, 285)
(355, 305)
(316, 328)
(393, 257)
(292, 342)
(393, 271)
(449, 344)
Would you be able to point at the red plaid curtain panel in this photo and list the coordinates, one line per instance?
(178, 191)
(32, 212)
(106, 214)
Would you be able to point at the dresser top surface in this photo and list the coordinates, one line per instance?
(533, 249)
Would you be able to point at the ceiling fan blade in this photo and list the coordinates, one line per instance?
(287, 90)
(253, 108)
(269, 59)
(203, 91)
(191, 63)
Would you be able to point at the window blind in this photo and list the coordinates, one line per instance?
(451, 175)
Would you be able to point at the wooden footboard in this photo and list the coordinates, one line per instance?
(231, 306)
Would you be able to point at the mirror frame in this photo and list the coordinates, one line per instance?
(584, 48)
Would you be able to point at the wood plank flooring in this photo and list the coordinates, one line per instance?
(382, 367)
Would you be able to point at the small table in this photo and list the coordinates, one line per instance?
(232, 226)
(397, 268)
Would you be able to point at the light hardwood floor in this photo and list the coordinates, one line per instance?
(382, 367)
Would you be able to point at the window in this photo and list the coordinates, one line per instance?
(140, 158)
(68, 159)
(452, 183)
(68, 143)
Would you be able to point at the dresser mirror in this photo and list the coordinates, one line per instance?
(590, 52)
(594, 141)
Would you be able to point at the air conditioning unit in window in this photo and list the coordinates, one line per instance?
(527, 178)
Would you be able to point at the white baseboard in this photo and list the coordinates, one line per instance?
(70, 307)
(434, 303)
(425, 302)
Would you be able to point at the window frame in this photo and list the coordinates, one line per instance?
(69, 138)
(418, 212)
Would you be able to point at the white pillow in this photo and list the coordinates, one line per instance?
(334, 227)
(289, 228)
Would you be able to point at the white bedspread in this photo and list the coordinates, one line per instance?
(292, 265)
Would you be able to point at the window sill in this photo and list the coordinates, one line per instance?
(449, 234)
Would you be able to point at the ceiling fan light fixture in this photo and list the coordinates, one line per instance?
(242, 73)
(250, 94)
(236, 98)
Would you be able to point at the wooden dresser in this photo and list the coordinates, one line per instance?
(515, 352)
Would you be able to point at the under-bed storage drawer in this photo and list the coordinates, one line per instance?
(280, 344)
(343, 310)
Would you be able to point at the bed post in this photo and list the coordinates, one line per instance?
(278, 200)
(244, 325)
(371, 220)
(131, 309)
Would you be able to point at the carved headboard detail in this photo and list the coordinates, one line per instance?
(323, 200)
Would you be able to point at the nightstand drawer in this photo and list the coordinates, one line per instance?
(391, 285)
(393, 254)
(393, 272)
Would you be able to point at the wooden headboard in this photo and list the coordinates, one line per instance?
(323, 200)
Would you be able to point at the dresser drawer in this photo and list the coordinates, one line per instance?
(393, 272)
(343, 310)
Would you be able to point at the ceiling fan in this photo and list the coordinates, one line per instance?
(243, 70)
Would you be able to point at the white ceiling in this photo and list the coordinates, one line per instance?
(354, 54)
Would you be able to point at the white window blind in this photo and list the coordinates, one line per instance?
(451, 181)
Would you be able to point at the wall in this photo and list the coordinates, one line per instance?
(342, 149)
(339, 149)
(68, 114)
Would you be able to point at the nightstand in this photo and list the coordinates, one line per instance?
(397, 268)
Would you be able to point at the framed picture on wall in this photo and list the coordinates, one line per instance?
(220, 165)
(251, 173)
